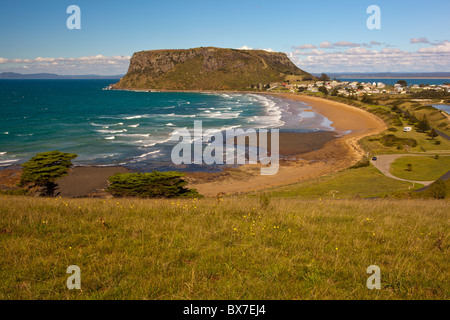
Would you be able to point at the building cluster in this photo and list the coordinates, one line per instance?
(346, 88)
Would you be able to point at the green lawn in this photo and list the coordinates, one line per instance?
(423, 168)
(362, 182)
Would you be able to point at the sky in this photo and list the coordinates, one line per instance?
(318, 36)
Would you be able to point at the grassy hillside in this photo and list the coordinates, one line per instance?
(362, 182)
(231, 249)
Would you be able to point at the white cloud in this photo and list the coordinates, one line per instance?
(314, 52)
(443, 48)
(361, 59)
(359, 51)
(389, 50)
(305, 46)
(98, 64)
(419, 40)
(346, 44)
(244, 47)
(325, 45)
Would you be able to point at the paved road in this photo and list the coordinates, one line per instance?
(383, 163)
(443, 135)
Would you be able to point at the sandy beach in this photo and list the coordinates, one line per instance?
(334, 156)
(87, 181)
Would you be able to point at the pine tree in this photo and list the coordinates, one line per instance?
(45, 168)
(433, 134)
(423, 125)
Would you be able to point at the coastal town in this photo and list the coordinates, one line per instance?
(351, 88)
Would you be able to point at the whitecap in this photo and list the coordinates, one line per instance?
(142, 157)
(133, 117)
(111, 131)
(130, 135)
(110, 138)
(133, 126)
(177, 115)
(220, 115)
(7, 162)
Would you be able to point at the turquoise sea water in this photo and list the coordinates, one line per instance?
(107, 127)
(444, 107)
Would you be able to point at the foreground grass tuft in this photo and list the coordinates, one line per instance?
(232, 249)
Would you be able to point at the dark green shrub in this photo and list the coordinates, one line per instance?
(150, 185)
(391, 140)
(323, 90)
(367, 99)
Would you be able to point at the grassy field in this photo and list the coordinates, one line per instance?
(423, 141)
(360, 183)
(231, 249)
(423, 168)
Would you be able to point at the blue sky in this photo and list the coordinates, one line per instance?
(319, 36)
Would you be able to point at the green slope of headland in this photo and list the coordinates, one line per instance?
(207, 68)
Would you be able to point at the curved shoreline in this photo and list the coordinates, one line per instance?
(334, 156)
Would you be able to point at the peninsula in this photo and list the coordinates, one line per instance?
(208, 68)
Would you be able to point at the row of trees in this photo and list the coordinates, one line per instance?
(44, 169)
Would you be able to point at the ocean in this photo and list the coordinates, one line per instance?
(444, 107)
(133, 129)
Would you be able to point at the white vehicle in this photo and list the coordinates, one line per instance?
(407, 129)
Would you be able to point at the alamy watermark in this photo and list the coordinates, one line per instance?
(74, 281)
(374, 21)
(374, 281)
(74, 21)
(222, 150)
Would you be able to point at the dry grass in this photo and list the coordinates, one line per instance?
(223, 249)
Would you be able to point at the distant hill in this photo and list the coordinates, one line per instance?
(394, 75)
(52, 76)
(207, 68)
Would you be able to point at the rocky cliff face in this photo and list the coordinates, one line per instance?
(207, 69)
